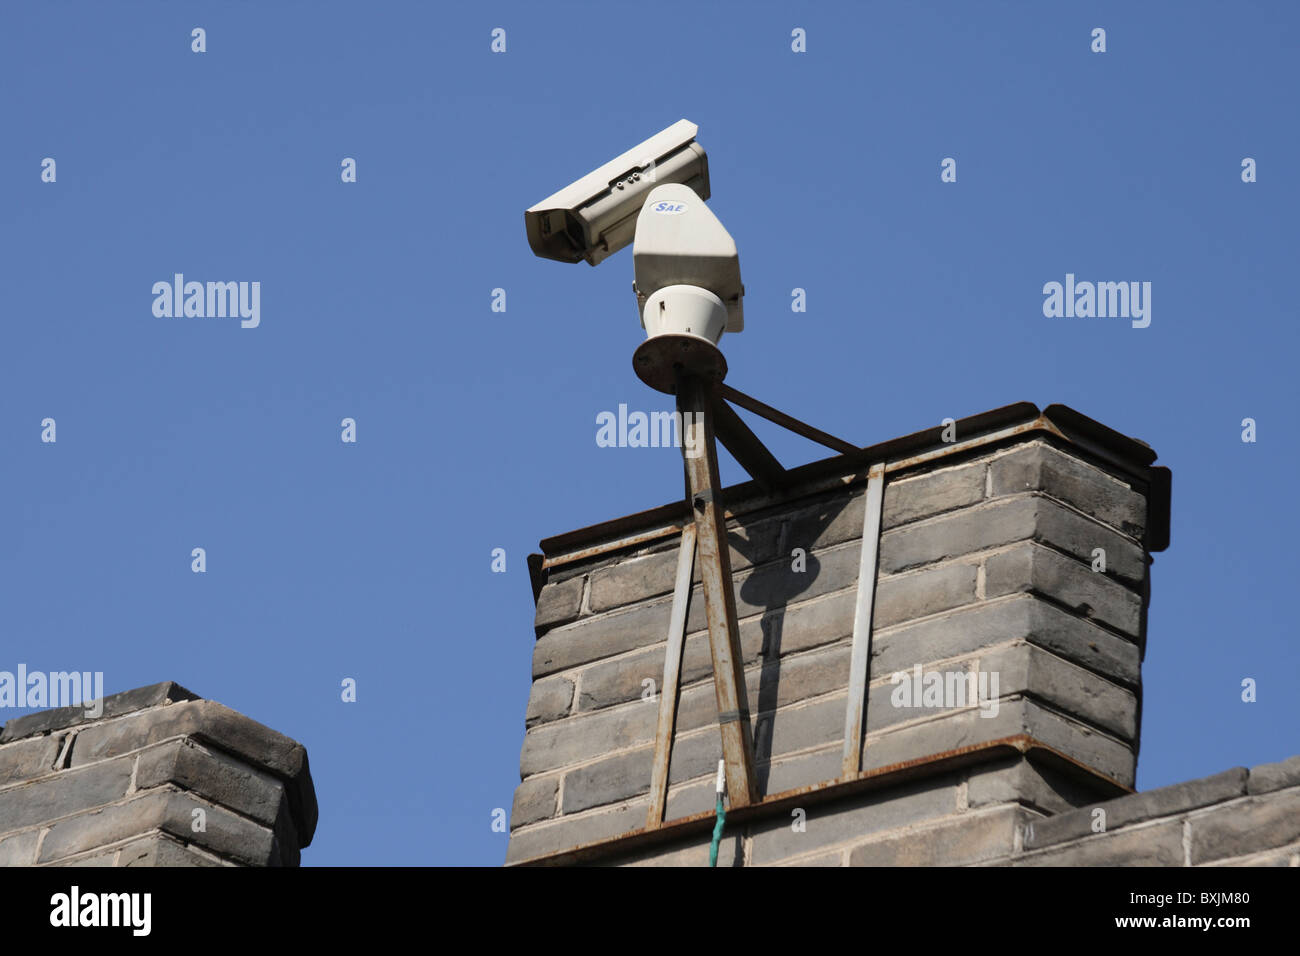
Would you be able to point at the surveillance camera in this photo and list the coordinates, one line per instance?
(595, 217)
(687, 268)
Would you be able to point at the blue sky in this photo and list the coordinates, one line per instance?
(475, 429)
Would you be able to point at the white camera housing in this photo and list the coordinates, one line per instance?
(596, 216)
(687, 268)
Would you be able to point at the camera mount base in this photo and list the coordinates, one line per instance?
(659, 360)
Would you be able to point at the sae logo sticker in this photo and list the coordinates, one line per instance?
(669, 208)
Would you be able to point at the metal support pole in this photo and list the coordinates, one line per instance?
(672, 680)
(699, 449)
(860, 659)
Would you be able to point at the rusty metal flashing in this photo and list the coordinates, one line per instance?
(985, 430)
(865, 781)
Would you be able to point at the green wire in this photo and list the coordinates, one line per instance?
(717, 833)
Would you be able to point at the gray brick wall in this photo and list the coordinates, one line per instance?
(1236, 818)
(986, 565)
(988, 568)
(160, 778)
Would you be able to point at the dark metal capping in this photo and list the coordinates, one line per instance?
(536, 576)
(1132, 457)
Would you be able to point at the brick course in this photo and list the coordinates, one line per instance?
(160, 778)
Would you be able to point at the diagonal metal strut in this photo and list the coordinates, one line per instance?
(745, 446)
(789, 422)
